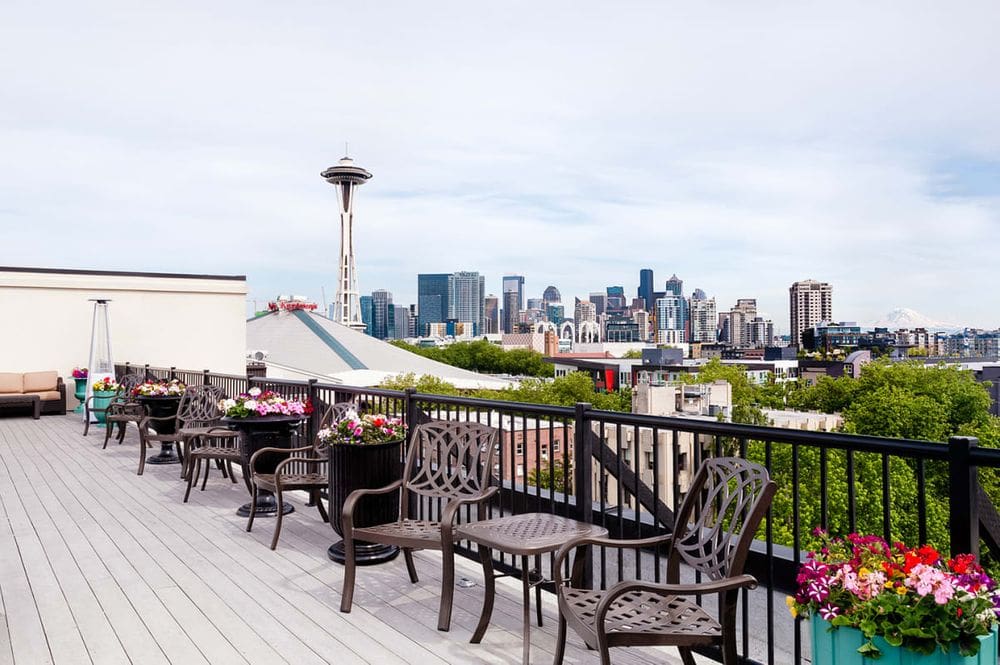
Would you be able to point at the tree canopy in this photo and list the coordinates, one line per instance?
(483, 356)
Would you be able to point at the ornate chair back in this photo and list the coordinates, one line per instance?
(333, 414)
(719, 517)
(199, 406)
(125, 387)
(448, 460)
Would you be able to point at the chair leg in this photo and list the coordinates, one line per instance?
(319, 505)
(191, 465)
(86, 421)
(447, 586)
(350, 569)
(560, 641)
(142, 454)
(232, 476)
(410, 568)
(208, 467)
(278, 518)
(121, 432)
(253, 508)
(686, 657)
(490, 590)
(107, 434)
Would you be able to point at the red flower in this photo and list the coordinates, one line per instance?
(928, 555)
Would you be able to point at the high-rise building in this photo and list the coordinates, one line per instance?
(466, 299)
(366, 313)
(670, 319)
(704, 318)
(600, 301)
(383, 314)
(646, 287)
(615, 303)
(555, 313)
(810, 302)
(432, 300)
(513, 301)
(740, 318)
(491, 314)
(641, 318)
(551, 295)
(535, 303)
(411, 330)
(760, 332)
(401, 322)
(675, 285)
(347, 177)
(583, 310)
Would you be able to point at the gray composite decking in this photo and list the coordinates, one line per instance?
(99, 565)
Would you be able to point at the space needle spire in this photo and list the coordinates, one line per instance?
(346, 177)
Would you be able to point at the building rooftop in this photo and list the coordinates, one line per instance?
(100, 565)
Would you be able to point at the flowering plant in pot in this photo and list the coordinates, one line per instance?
(159, 388)
(363, 430)
(256, 402)
(105, 385)
(897, 596)
(80, 373)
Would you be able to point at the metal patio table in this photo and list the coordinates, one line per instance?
(526, 535)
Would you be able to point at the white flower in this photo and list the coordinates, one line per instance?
(254, 392)
(228, 404)
(250, 404)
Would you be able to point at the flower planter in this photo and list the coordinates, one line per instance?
(370, 466)
(80, 392)
(840, 647)
(256, 432)
(163, 407)
(99, 404)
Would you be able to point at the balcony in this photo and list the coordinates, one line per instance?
(137, 556)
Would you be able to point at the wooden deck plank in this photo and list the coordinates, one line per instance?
(164, 581)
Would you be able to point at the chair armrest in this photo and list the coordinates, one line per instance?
(304, 460)
(622, 588)
(272, 451)
(347, 514)
(448, 514)
(569, 546)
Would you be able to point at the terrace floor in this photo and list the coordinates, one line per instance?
(99, 565)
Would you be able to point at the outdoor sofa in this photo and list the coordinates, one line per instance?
(44, 392)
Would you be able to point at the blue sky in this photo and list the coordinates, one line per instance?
(741, 146)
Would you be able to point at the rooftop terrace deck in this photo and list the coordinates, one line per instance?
(98, 565)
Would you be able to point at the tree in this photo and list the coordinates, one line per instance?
(556, 476)
(484, 356)
(745, 408)
(632, 353)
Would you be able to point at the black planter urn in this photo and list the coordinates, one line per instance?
(370, 466)
(273, 431)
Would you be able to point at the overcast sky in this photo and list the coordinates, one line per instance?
(741, 145)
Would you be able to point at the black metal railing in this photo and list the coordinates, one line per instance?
(628, 472)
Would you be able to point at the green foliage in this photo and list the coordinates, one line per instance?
(745, 408)
(556, 476)
(632, 353)
(423, 384)
(483, 356)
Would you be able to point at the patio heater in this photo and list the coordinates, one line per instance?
(100, 362)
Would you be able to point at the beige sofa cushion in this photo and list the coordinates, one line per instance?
(40, 381)
(46, 395)
(11, 382)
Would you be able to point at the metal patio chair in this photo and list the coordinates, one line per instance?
(197, 414)
(304, 468)
(716, 525)
(121, 410)
(448, 461)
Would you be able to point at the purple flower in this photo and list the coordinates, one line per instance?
(828, 611)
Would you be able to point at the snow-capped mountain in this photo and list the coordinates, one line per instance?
(904, 317)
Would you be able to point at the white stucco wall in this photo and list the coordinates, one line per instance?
(190, 322)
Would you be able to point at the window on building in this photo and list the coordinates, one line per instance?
(649, 459)
(555, 446)
(682, 461)
(519, 448)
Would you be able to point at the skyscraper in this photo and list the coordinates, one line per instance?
(646, 287)
(615, 303)
(366, 313)
(551, 295)
(466, 299)
(600, 301)
(810, 302)
(513, 301)
(347, 177)
(432, 300)
(740, 318)
(383, 316)
(670, 319)
(704, 319)
(401, 322)
(491, 313)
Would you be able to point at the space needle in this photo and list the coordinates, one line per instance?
(345, 176)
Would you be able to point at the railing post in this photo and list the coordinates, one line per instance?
(410, 404)
(204, 375)
(963, 506)
(126, 368)
(311, 423)
(145, 372)
(173, 372)
(583, 462)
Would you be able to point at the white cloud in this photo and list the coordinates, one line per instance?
(740, 146)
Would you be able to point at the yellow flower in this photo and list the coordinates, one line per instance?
(864, 571)
(901, 590)
(790, 601)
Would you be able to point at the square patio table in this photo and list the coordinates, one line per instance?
(526, 535)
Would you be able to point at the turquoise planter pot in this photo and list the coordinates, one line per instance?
(80, 393)
(100, 404)
(840, 647)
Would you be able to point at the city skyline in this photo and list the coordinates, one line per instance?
(742, 148)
